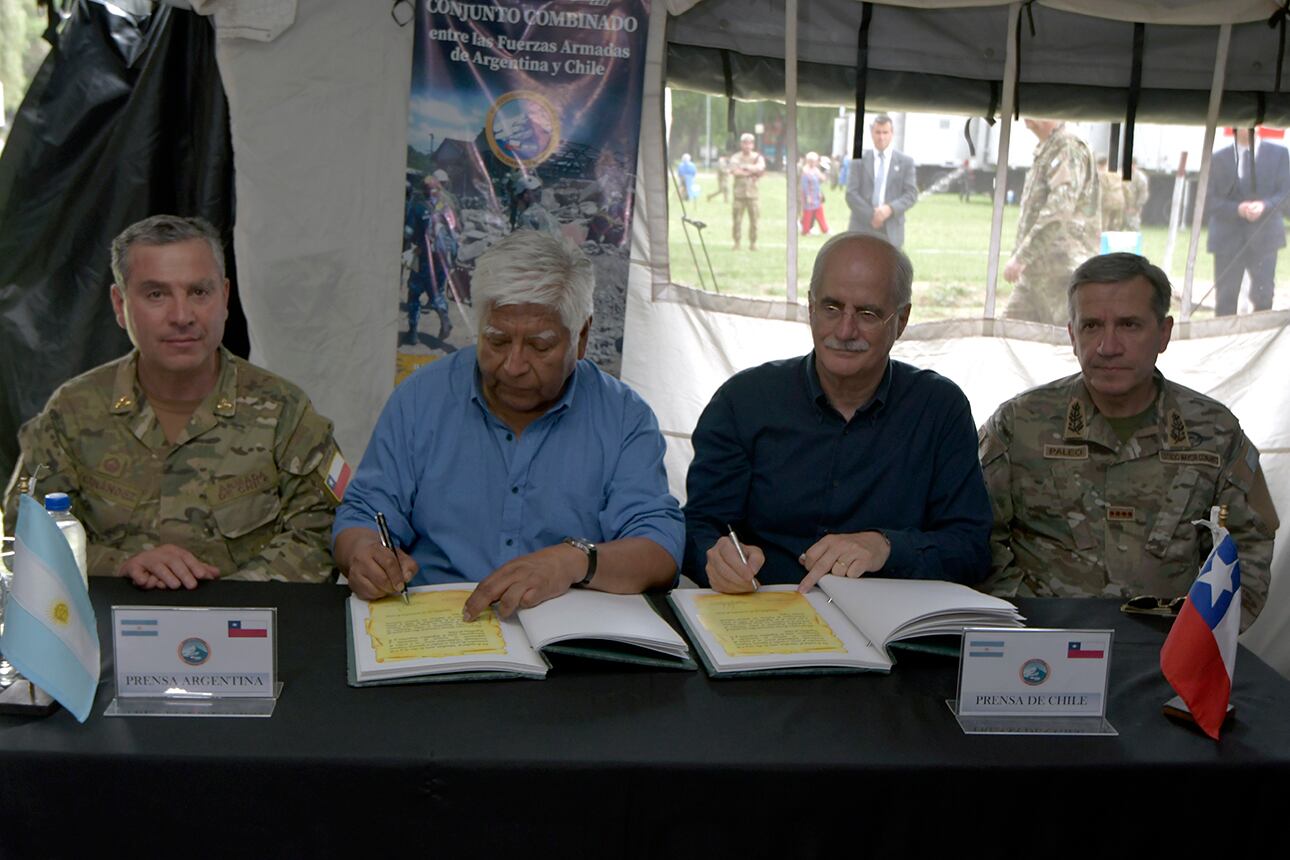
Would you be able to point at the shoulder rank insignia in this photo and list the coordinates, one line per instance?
(1178, 436)
(1076, 422)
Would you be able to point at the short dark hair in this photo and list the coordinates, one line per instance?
(1116, 268)
(902, 270)
(163, 230)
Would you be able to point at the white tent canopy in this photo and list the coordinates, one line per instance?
(319, 118)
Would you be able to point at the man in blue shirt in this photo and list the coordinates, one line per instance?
(514, 464)
(842, 461)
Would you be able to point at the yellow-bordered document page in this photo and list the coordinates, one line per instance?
(772, 629)
(842, 624)
(427, 636)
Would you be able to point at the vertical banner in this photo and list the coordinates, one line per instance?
(522, 116)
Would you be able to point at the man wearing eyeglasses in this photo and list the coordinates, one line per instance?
(841, 461)
(1096, 479)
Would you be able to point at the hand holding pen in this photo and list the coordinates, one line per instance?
(732, 565)
(388, 543)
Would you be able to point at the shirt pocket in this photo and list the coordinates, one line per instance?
(107, 506)
(1056, 502)
(246, 508)
(1172, 536)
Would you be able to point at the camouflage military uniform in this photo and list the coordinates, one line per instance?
(745, 193)
(1059, 227)
(1078, 513)
(1113, 200)
(1136, 192)
(243, 488)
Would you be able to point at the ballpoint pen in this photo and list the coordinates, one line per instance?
(739, 548)
(389, 544)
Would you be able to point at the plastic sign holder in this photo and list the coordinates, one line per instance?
(1033, 682)
(194, 662)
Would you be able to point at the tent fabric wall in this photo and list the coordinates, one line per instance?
(319, 127)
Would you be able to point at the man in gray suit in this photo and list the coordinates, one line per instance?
(881, 187)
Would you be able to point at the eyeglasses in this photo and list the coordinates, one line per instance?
(865, 320)
(1147, 605)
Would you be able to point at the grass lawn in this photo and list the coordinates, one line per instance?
(948, 241)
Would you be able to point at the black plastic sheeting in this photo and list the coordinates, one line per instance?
(126, 118)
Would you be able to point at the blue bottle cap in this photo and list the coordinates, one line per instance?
(55, 502)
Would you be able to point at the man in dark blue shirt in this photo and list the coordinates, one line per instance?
(841, 461)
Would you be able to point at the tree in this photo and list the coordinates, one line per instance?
(21, 49)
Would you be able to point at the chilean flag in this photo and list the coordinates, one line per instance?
(1199, 657)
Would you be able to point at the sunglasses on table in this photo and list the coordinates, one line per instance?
(1148, 605)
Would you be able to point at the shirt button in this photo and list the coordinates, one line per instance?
(510, 438)
(515, 489)
(1124, 547)
(835, 483)
(509, 541)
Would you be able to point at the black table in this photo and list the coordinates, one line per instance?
(608, 760)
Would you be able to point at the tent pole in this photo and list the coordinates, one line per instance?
(1206, 155)
(1001, 166)
(790, 162)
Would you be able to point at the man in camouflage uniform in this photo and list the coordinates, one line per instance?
(1136, 192)
(184, 462)
(1113, 196)
(1059, 225)
(746, 168)
(1095, 479)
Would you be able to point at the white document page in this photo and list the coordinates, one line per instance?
(889, 609)
(580, 614)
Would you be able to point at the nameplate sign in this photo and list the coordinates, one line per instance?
(1034, 673)
(195, 653)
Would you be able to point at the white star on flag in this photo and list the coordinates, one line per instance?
(1218, 578)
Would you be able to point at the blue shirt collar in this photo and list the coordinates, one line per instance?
(561, 404)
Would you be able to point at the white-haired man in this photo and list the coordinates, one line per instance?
(513, 463)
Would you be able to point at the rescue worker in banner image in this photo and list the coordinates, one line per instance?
(1059, 227)
(185, 463)
(1096, 479)
(430, 250)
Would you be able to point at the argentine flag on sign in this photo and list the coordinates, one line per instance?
(50, 634)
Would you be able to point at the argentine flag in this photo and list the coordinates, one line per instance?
(50, 634)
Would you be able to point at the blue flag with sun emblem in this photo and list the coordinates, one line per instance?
(50, 634)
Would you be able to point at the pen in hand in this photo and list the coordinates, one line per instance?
(389, 544)
(739, 548)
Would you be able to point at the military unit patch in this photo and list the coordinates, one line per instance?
(1076, 422)
(1178, 436)
(1065, 452)
(1192, 458)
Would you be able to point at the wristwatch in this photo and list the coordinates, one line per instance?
(590, 549)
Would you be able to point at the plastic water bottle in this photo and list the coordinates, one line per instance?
(59, 506)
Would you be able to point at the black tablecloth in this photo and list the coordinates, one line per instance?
(607, 760)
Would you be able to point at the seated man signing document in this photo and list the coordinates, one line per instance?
(184, 462)
(841, 461)
(514, 463)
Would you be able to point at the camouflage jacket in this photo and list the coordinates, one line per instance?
(243, 487)
(746, 186)
(1078, 513)
(1061, 217)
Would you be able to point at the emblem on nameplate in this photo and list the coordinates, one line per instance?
(1034, 672)
(194, 651)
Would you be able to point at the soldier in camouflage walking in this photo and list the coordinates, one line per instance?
(1059, 226)
(1095, 479)
(1136, 192)
(184, 462)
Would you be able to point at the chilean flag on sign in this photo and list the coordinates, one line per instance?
(1199, 657)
